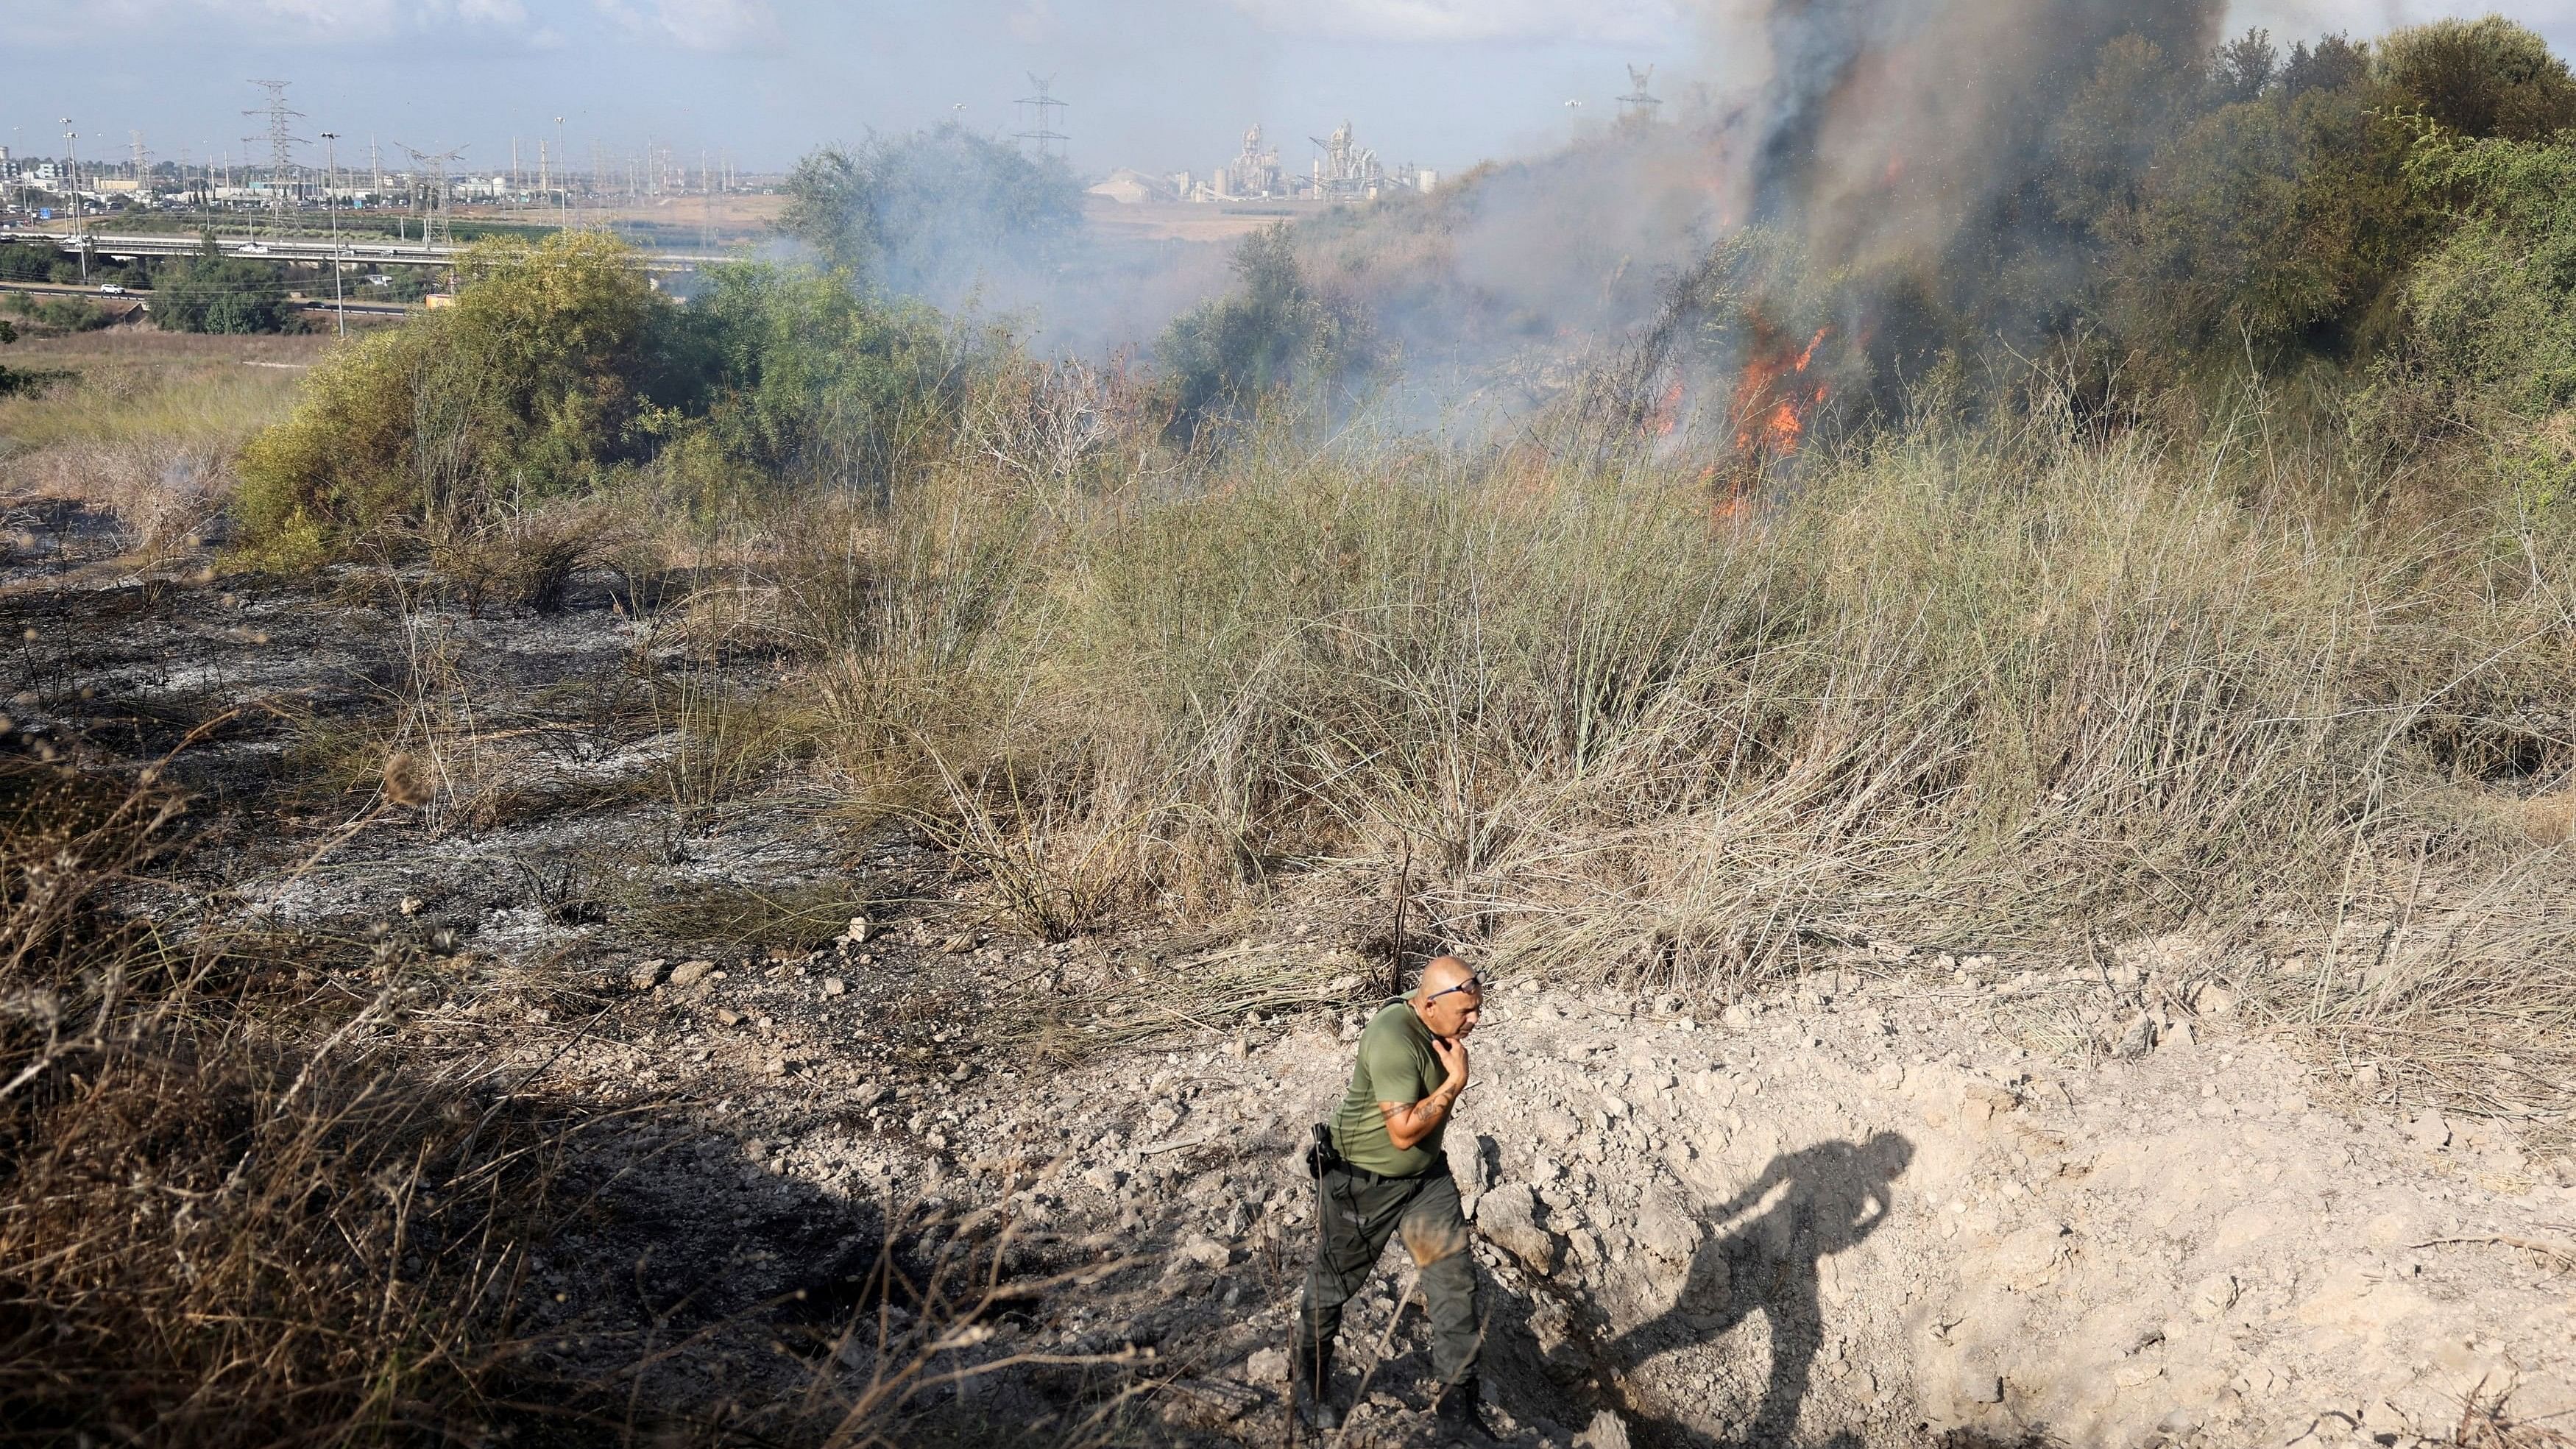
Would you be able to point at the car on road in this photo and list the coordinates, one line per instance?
(110, 289)
(254, 249)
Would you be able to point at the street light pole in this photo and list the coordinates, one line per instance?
(71, 159)
(331, 208)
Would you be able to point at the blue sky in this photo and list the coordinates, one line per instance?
(1159, 84)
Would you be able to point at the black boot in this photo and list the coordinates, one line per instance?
(1461, 1413)
(1310, 1380)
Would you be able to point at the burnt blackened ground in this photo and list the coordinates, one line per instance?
(500, 924)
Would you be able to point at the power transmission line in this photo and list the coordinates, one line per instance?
(1043, 107)
(1638, 106)
(281, 149)
(433, 217)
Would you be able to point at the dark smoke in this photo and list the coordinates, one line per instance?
(1884, 130)
(1876, 167)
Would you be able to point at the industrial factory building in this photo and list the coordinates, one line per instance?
(1342, 170)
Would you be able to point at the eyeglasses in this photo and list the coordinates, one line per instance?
(1470, 984)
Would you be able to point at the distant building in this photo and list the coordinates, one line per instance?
(1254, 174)
(1347, 171)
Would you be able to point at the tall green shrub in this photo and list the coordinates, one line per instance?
(2481, 78)
(220, 294)
(792, 378)
(528, 387)
(1274, 330)
(2490, 343)
(925, 213)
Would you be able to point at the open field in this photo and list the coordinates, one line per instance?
(1989, 977)
(133, 453)
(1187, 222)
(1987, 691)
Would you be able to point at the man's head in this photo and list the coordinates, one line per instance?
(1450, 999)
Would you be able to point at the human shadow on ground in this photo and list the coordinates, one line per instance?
(1821, 1200)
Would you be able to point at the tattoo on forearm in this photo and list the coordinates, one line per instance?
(1428, 1112)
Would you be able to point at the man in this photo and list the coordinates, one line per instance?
(1391, 1177)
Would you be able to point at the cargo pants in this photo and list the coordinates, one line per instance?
(1360, 1214)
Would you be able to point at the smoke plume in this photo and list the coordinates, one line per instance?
(1891, 151)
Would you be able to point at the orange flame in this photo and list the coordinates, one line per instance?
(1668, 412)
(1772, 397)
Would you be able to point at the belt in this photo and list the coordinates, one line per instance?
(1364, 1175)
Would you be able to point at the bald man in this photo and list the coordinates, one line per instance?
(1392, 1178)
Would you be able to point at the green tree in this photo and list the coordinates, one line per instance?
(529, 388)
(2099, 150)
(2279, 221)
(2335, 64)
(2492, 312)
(1273, 330)
(793, 377)
(927, 212)
(411, 284)
(221, 294)
(2244, 67)
(2488, 353)
(26, 262)
(2486, 77)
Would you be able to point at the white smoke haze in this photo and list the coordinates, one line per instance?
(1871, 135)
(1877, 134)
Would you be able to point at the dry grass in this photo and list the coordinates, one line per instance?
(246, 1203)
(2484, 1424)
(136, 384)
(1990, 688)
(146, 430)
(163, 494)
(225, 1225)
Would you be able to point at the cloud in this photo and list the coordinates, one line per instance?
(1034, 22)
(321, 21)
(1428, 21)
(697, 25)
(705, 25)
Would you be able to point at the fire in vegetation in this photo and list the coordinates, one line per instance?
(1775, 393)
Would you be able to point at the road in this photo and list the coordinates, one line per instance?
(298, 249)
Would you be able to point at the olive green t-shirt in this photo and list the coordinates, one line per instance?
(1396, 1064)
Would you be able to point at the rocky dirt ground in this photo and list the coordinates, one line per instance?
(1914, 1197)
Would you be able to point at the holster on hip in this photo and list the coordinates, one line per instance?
(1321, 1155)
